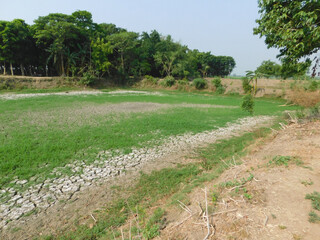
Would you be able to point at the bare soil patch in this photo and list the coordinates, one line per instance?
(275, 206)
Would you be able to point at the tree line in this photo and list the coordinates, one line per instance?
(73, 45)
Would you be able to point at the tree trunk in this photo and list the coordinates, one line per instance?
(62, 66)
(22, 69)
(4, 69)
(122, 62)
(11, 69)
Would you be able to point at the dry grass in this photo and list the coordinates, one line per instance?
(304, 98)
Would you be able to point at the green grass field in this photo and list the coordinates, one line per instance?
(40, 133)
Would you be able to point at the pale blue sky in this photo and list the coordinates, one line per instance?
(223, 27)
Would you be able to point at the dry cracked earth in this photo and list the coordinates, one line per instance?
(37, 206)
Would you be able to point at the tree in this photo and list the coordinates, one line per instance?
(123, 44)
(169, 54)
(58, 34)
(291, 26)
(3, 58)
(269, 68)
(100, 52)
(253, 78)
(16, 43)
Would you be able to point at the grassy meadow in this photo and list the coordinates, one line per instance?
(40, 133)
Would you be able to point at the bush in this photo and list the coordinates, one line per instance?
(6, 85)
(247, 88)
(217, 82)
(168, 81)
(199, 83)
(150, 80)
(87, 79)
(220, 90)
(247, 103)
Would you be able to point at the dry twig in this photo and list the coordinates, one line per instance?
(207, 215)
(184, 207)
(222, 212)
(93, 218)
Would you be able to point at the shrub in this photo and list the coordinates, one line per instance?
(168, 81)
(220, 90)
(6, 85)
(217, 82)
(247, 103)
(199, 83)
(247, 88)
(150, 80)
(87, 79)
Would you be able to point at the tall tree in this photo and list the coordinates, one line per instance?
(269, 68)
(100, 53)
(291, 26)
(123, 44)
(17, 42)
(3, 57)
(58, 34)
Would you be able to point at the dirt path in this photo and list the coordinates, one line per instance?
(75, 199)
(272, 204)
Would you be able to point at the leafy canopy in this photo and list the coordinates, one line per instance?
(291, 26)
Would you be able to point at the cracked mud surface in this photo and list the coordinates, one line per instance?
(89, 187)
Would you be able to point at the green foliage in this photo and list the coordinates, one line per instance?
(314, 217)
(87, 79)
(220, 89)
(217, 82)
(285, 160)
(100, 54)
(247, 88)
(307, 183)
(168, 81)
(152, 228)
(247, 103)
(151, 80)
(70, 45)
(269, 68)
(215, 197)
(291, 26)
(281, 160)
(315, 200)
(199, 83)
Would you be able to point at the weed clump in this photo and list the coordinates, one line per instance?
(284, 161)
(315, 201)
(200, 83)
(149, 80)
(168, 81)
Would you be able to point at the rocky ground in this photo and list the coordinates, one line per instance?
(40, 198)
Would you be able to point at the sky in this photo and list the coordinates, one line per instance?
(223, 27)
